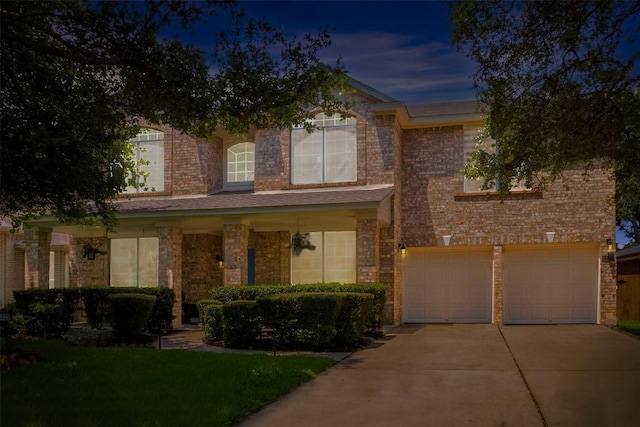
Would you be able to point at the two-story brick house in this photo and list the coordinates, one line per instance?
(221, 212)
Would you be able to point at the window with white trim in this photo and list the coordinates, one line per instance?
(471, 144)
(149, 157)
(333, 260)
(240, 166)
(328, 154)
(134, 262)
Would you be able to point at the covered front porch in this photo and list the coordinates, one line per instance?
(192, 244)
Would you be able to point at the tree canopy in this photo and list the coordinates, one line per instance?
(76, 75)
(560, 80)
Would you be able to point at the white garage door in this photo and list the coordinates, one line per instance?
(447, 285)
(550, 284)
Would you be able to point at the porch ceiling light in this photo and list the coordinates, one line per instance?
(551, 235)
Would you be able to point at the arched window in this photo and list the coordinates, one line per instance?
(240, 165)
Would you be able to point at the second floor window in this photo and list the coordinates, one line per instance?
(149, 156)
(329, 154)
(240, 165)
(470, 144)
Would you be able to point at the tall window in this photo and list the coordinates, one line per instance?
(134, 262)
(149, 156)
(470, 145)
(240, 165)
(333, 260)
(329, 154)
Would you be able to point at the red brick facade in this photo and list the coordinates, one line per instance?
(418, 158)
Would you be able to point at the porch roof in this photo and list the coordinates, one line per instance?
(368, 196)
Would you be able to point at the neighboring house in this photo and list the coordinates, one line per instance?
(12, 261)
(628, 260)
(221, 211)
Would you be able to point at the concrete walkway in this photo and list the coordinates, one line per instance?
(474, 375)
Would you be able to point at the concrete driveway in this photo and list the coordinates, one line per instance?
(475, 375)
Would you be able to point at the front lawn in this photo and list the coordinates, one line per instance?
(118, 386)
(631, 326)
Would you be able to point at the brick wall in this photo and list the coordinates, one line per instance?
(577, 209)
(200, 271)
(273, 258)
(83, 272)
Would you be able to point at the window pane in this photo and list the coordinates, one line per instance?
(149, 148)
(329, 154)
(334, 259)
(340, 256)
(470, 145)
(307, 267)
(148, 262)
(340, 154)
(124, 262)
(306, 157)
(240, 162)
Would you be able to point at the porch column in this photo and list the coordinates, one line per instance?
(235, 238)
(170, 266)
(368, 250)
(36, 259)
(497, 286)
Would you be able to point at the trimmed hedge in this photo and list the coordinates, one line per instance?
(351, 323)
(66, 299)
(210, 312)
(301, 319)
(130, 314)
(241, 324)
(378, 290)
(95, 301)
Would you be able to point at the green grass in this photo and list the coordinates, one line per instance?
(631, 326)
(88, 386)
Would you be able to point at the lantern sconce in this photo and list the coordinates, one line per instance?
(220, 261)
(551, 235)
(611, 250)
(402, 248)
(446, 240)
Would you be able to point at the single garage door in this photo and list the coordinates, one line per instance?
(449, 285)
(549, 284)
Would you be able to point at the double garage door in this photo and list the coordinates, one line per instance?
(541, 284)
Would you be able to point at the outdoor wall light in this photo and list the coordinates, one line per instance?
(551, 235)
(446, 240)
(611, 250)
(220, 261)
(402, 248)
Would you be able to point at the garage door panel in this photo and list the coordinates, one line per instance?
(550, 284)
(456, 285)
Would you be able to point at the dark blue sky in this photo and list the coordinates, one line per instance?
(401, 48)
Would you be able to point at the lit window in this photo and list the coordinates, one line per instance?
(134, 262)
(240, 165)
(329, 154)
(333, 260)
(149, 157)
(470, 145)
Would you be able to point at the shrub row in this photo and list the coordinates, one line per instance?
(378, 290)
(297, 320)
(131, 314)
(95, 302)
